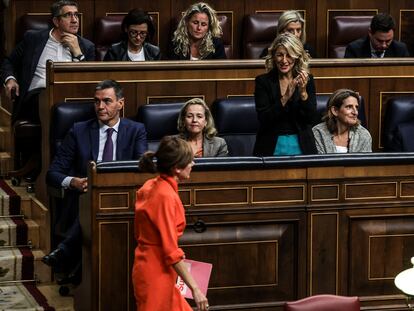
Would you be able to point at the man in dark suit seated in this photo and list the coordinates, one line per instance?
(24, 71)
(403, 140)
(105, 138)
(380, 41)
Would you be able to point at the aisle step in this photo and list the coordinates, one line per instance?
(5, 139)
(33, 234)
(6, 163)
(43, 273)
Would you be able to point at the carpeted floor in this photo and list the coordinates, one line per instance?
(60, 303)
(18, 290)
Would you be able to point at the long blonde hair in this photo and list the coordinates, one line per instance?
(181, 39)
(294, 48)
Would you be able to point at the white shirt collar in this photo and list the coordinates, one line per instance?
(104, 127)
(374, 52)
(51, 37)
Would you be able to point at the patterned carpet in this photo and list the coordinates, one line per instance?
(17, 287)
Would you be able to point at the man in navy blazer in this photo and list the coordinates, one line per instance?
(24, 71)
(88, 141)
(380, 41)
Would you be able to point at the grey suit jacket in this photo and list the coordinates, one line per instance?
(214, 147)
(359, 139)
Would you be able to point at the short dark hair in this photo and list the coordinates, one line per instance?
(57, 6)
(111, 84)
(382, 22)
(138, 17)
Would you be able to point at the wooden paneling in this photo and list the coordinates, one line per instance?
(343, 238)
(324, 193)
(279, 194)
(381, 245)
(403, 13)
(328, 7)
(332, 13)
(308, 7)
(376, 190)
(165, 91)
(145, 83)
(323, 264)
(114, 237)
(251, 242)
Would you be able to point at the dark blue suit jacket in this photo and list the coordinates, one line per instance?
(362, 49)
(23, 60)
(81, 145)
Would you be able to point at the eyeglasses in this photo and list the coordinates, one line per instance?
(134, 34)
(70, 15)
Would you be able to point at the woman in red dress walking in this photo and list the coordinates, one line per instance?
(159, 222)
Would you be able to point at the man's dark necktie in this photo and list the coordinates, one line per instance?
(108, 150)
(378, 53)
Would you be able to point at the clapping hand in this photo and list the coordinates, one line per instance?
(302, 81)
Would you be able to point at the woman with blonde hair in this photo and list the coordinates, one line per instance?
(285, 99)
(196, 125)
(198, 35)
(341, 131)
(159, 222)
(293, 22)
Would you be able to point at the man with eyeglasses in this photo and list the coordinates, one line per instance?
(24, 72)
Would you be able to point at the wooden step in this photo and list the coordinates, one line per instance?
(32, 209)
(33, 233)
(5, 117)
(51, 292)
(37, 218)
(43, 273)
(6, 163)
(5, 139)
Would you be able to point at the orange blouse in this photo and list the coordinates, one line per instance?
(199, 153)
